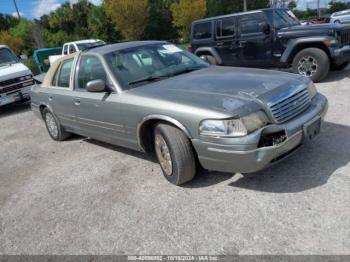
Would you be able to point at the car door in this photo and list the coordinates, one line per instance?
(59, 94)
(98, 113)
(254, 40)
(225, 40)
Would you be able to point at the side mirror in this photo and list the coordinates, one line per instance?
(96, 86)
(265, 28)
(23, 57)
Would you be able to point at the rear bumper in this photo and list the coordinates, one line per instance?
(341, 55)
(250, 158)
(15, 96)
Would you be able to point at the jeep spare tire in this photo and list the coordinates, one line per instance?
(313, 63)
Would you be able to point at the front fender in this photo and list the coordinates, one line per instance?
(293, 44)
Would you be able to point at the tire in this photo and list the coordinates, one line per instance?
(53, 126)
(340, 67)
(337, 22)
(210, 59)
(172, 144)
(313, 63)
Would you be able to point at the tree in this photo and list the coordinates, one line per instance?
(292, 5)
(223, 7)
(129, 17)
(336, 6)
(100, 26)
(7, 21)
(160, 24)
(15, 43)
(185, 12)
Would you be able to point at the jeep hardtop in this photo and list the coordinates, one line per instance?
(272, 38)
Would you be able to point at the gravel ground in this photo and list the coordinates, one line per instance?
(85, 197)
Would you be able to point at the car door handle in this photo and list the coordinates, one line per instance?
(242, 43)
(77, 101)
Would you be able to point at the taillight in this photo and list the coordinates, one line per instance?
(189, 49)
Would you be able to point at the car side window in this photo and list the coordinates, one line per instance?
(64, 73)
(202, 31)
(90, 68)
(72, 49)
(251, 24)
(65, 49)
(225, 28)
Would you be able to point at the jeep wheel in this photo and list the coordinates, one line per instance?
(210, 59)
(175, 154)
(54, 128)
(313, 63)
(340, 67)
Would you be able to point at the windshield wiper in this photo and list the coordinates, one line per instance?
(148, 79)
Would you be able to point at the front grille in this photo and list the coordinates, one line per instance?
(14, 80)
(345, 38)
(13, 86)
(289, 107)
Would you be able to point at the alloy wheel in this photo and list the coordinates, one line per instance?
(163, 155)
(51, 124)
(307, 66)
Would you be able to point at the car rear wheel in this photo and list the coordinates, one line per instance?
(210, 59)
(53, 126)
(175, 154)
(313, 63)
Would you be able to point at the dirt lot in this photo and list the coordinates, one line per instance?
(85, 197)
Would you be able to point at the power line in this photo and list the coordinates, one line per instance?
(18, 14)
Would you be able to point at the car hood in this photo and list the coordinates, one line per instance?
(313, 29)
(222, 88)
(12, 71)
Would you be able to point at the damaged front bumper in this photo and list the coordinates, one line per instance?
(263, 147)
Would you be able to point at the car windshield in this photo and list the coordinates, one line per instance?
(83, 46)
(284, 18)
(148, 63)
(7, 57)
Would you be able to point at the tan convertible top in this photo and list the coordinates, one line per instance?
(53, 68)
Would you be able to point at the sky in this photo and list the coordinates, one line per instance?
(35, 8)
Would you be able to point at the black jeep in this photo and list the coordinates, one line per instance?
(272, 38)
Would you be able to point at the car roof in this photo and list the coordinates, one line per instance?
(341, 12)
(236, 14)
(4, 46)
(86, 41)
(120, 46)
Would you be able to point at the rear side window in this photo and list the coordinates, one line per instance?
(202, 31)
(250, 24)
(225, 27)
(72, 49)
(90, 68)
(62, 75)
(65, 49)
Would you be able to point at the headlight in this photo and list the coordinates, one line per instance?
(233, 127)
(312, 89)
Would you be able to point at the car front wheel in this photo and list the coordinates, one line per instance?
(53, 126)
(175, 154)
(313, 63)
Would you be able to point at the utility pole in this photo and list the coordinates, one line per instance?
(14, 2)
(245, 6)
(318, 9)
